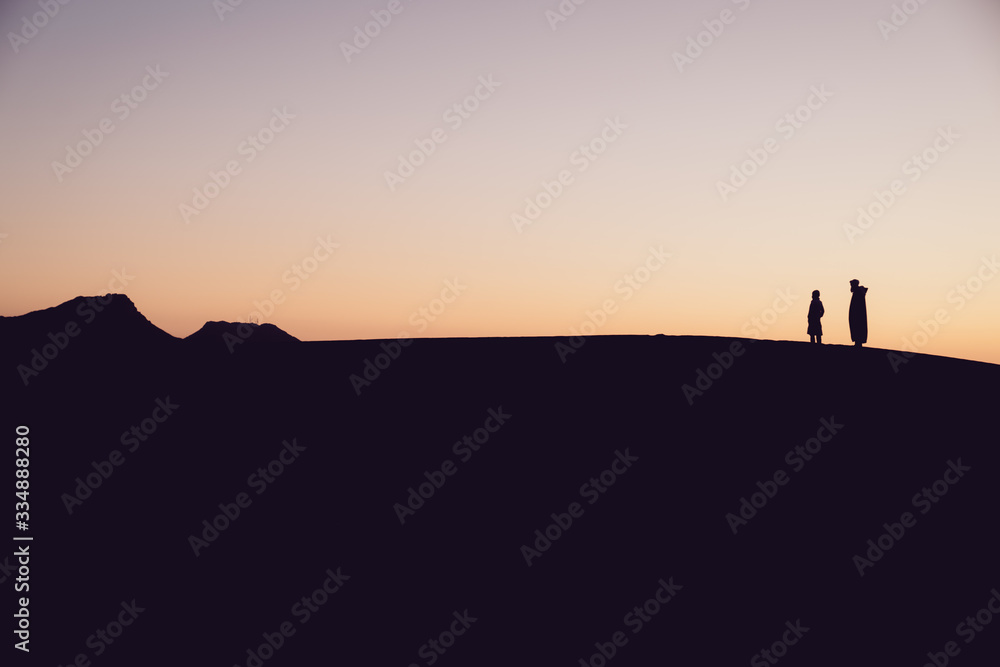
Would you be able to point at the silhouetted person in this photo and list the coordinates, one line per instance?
(816, 311)
(858, 314)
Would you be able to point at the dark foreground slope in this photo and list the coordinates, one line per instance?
(355, 450)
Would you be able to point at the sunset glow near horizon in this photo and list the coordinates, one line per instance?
(509, 169)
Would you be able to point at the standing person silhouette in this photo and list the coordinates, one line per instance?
(858, 314)
(816, 311)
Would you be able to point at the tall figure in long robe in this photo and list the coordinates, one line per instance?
(858, 314)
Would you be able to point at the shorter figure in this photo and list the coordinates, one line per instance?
(816, 311)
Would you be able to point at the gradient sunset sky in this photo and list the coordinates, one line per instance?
(199, 79)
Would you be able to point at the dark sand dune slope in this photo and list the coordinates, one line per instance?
(411, 481)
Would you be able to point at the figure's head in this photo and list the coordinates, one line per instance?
(815, 293)
(855, 283)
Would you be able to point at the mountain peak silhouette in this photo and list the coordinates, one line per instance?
(110, 316)
(113, 320)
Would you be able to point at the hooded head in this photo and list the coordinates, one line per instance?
(815, 293)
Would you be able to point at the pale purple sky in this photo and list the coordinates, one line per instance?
(671, 135)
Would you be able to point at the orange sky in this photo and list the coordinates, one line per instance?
(203, 163)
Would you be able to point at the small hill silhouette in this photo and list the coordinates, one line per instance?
(217, 332)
